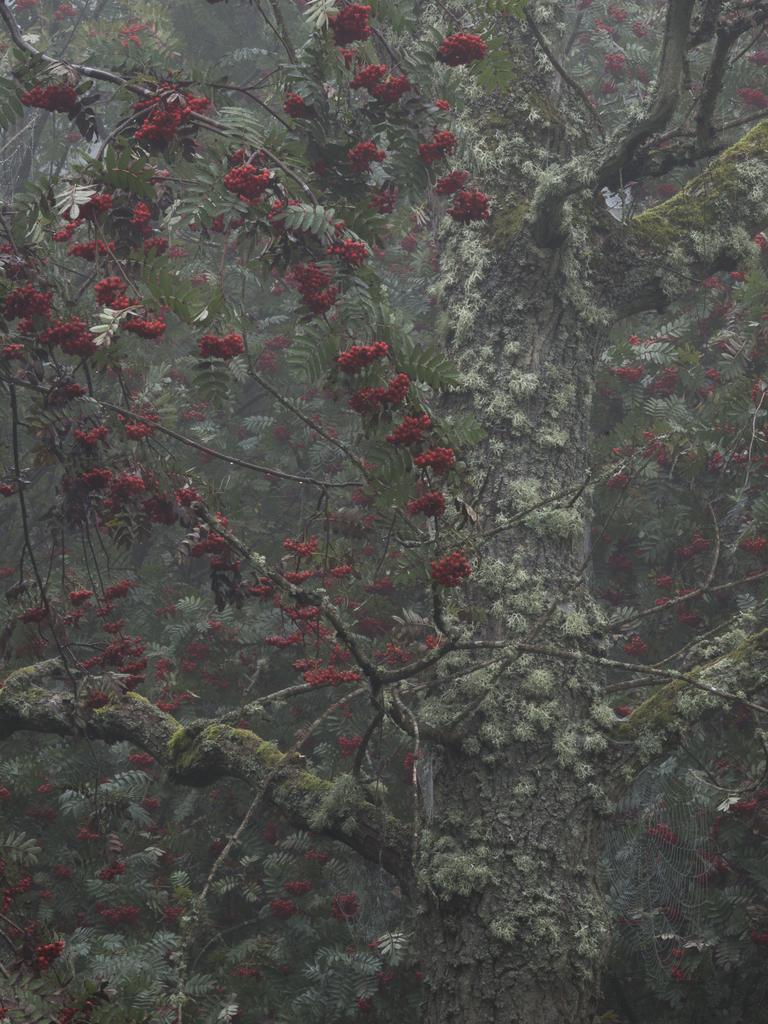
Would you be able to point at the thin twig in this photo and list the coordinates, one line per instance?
(566, 77)
(231, 460)
(292, 407)
(27, 535)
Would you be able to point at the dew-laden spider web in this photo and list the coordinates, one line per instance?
(658, 863)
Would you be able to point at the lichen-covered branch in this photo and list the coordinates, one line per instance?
(736, 669)
(199, 753)
(709, 224)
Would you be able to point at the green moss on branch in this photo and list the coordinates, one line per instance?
(33, 699)
(731, 192)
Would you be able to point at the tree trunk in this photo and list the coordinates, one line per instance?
(513, 929)
(526, 942)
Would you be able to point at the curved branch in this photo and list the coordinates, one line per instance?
(212, 453)
(558, 185)
(33, 700)
(101, 75)
(569, 80)
(280, 29)
(97, 74)
(711, 89)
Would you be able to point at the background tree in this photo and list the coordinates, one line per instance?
(223, 372)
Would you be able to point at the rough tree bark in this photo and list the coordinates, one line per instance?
(512, 923)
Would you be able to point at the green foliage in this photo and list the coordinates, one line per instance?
(122, 169)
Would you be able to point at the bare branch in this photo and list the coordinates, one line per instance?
(711, 88)
(212, 453)
(98, 74)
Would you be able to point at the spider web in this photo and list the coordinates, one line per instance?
(658, 862)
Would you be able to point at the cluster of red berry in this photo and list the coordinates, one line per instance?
(450, 183)
(294, 105)
(111, 872)
(359, 356)
(47, 953)
(283, 908)
(348, 744)
(146, 327)
(90, 438)
(354, 254)
(27, 301)
(221, 347)
(368, 400)
(164, 114)
(443, 143)
(350, 25)
(451, 570)
(59, 99)
(461, 48)
(469, 205)
(438, 459)
(345, 906)
(90, 250)
(635, 645)
(72, 336)
(363, 154)
(109, 291)
(384, 199)
(375, 80)
(128, 914)
(330, 676)
(99, 203)
(410, 431)
(430, 504)
(302, 548)
(248, 182)
(314, 286)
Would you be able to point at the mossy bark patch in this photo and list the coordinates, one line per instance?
(713, 199)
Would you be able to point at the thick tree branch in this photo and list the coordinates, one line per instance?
(707, 226)
(198, 754)
(681, 149)
(605, 170)
(711, 89)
